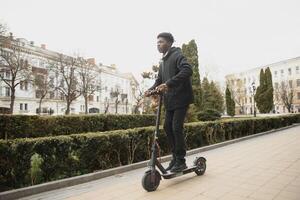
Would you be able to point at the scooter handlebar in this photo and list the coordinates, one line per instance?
(154, 92)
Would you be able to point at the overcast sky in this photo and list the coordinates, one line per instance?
(231, 35)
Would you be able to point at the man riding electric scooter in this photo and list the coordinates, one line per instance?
(174, 81)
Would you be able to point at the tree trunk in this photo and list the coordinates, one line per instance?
(136, 110)
(68, 107)
(116, 106)
(40, 106)
(86, 103)
(289, 108)
(12, 100)
(106, 108)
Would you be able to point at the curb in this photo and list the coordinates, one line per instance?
(53, 185)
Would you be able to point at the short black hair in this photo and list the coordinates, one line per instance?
(168, 36)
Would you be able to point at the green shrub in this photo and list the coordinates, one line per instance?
(22, 126)
(209, 115)
(66, 156)
(35, 170)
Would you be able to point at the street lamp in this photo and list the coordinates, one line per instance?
(253, 92)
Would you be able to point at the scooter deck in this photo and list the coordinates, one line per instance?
(175, 174)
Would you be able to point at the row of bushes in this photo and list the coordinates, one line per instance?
(21, 126)
(66, 156)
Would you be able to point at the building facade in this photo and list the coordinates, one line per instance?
(285, 78)
(114, 91)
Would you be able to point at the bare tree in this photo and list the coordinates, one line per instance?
(124, 99)
(66, 67)
(115, 94)
(3, 29)
(139, 98)
(106, 106)
(14, 67)
(44, 85)
(152, 74)
(286, 94)
(138, 101)
(88, 83)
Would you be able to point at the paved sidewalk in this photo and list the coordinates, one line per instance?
(262, 168)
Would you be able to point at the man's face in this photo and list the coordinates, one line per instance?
(163, 45)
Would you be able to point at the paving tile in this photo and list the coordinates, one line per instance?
(288, 196)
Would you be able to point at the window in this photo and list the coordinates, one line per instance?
(97, 98)
(26, 85)
(298, 82)
(42, 63)
(290, 83)
(34, 62)
(23, 85)
(51, 82)
(38, 94)
(44, 110)
(91, 98)
(82, 108)
(7, 74)
(297, 69)
(281, 71)
(275, 73)
(62, 96)
(51, 95)
(62, 83)
(246, 100)
(290, 71)
(276, 97)
(250, 100)
(7, 91)
(21, 106)
(26, 107)
(298, 94)
(276, 85)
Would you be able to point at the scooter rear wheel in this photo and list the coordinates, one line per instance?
(200, 164)
(150, 181)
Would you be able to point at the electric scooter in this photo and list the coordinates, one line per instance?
(152, 177)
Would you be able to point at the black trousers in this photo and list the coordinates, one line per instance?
(173, 127)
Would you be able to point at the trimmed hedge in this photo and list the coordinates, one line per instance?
(66, 156)
(209, 115)
(22, 126)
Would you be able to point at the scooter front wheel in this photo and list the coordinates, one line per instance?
(200, 164)
(151, 180)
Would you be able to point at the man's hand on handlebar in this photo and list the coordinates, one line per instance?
(158, 90)
(162, 88)
(147, 93)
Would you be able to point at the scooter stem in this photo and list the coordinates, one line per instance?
(156, 132)
(158, 115)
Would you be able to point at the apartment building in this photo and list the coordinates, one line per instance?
(115, 92)
(285, 77)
